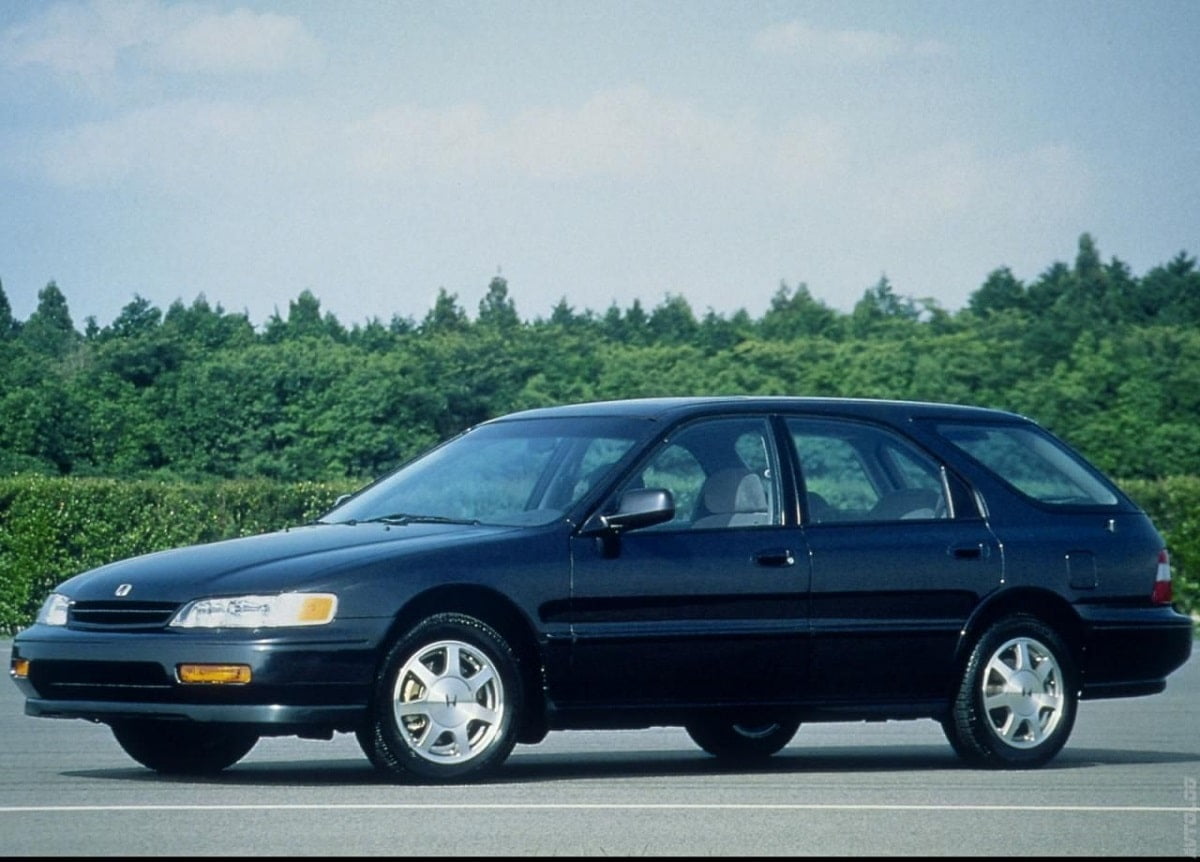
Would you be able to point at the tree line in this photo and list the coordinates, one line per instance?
(1107, 359)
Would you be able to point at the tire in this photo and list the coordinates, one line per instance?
(446, 703)
(741, 741)
(183, 748)
(1016, 702)
(365, 734)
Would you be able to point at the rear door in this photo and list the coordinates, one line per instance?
(899, 556)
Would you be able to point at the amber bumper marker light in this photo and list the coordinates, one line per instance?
(214, 674)
(20, 668)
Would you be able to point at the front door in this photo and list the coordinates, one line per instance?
(709, 608)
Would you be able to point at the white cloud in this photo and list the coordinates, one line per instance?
(809, 150)
(87, 43)
(406, 141)
(240, 41)
(184, 147)
(193, 147)
(953, 180)
(802, 40)
(623, 134)
(73, 40)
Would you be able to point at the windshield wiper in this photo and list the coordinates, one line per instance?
(402, 518)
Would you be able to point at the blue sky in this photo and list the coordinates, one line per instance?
(376, 152)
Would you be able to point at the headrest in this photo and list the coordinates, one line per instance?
(734, 490)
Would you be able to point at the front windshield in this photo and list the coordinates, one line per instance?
(512, 473)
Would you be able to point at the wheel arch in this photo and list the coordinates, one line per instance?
(1048, 607)
(499, 612)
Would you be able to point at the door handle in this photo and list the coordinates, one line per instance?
(776, 557)
(974, 551)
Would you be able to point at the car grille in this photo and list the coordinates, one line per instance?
(121, 616)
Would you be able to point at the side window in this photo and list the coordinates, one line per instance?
(598, 459)
(677, 470)
(720, 473)
(856, 472)
(1027, 458)
(837, 483)
(913, 471)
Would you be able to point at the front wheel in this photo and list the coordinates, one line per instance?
(445, 703)
(741, 741)
(1016, 702)
(182, 748)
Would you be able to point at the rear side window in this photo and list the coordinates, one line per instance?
(1033, 462)
(857, 472)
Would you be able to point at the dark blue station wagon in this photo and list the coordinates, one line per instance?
(734, 566)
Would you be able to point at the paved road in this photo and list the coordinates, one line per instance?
(1125, 785)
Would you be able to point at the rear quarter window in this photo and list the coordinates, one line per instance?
(1033, 462)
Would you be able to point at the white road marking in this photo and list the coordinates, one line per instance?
(599, 806)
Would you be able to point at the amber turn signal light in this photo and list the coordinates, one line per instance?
(214, 674)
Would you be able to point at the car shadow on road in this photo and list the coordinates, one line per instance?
(833, 760)
(531, 767)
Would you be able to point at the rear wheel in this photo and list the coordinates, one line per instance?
(1016, 702)
(183, 748)
(746, 740)
(446, 702)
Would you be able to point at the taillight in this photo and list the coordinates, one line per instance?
(1161, 594)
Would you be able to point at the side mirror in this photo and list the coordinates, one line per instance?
(641, 507)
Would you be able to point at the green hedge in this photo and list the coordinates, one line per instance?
(51, 528)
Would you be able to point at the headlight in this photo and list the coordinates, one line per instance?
(54, 610)
(252, 612)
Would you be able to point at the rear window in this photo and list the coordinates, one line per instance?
(1033, 462)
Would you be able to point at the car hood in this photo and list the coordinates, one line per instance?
(295, 558)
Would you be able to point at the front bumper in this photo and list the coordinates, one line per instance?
(301, 679)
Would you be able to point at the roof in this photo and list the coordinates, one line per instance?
(678, 407)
